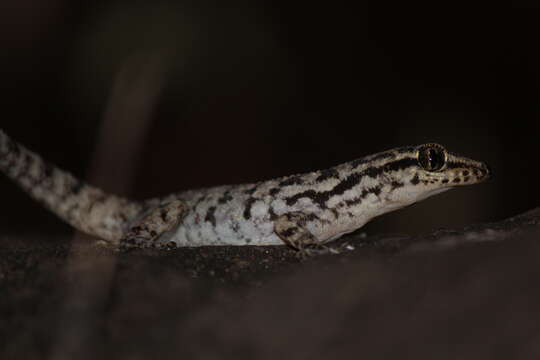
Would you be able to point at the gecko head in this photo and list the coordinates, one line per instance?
(430, 170)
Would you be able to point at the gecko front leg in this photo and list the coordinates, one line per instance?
(158, 221)
(291, 229)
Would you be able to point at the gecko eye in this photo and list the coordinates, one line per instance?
(432, 157)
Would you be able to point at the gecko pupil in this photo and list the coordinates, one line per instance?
(432, 157)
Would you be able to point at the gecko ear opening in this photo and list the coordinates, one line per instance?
(432, 157)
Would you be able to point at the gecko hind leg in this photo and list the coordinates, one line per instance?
(153, 225)
(290, 228)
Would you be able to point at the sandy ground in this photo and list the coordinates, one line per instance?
(456, 294)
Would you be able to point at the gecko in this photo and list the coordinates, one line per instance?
(304, 211)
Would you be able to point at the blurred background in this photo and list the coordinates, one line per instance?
(147, 98)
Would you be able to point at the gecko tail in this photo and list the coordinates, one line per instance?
(83, 206)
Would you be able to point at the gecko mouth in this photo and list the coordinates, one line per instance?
(483, 173)
(477, 174)
(487, 170)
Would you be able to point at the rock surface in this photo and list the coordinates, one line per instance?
(468, 293)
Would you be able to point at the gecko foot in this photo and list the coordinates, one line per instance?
(291, 229)
(161, 219)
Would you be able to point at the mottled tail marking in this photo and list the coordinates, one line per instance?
(85, 207)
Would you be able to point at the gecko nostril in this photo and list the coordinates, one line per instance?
(488, 170)
(485, 171)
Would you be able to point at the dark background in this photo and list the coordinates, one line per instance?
(251, 90)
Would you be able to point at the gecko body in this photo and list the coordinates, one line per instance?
(303, 210)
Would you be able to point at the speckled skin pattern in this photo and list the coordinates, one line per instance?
(298, 210)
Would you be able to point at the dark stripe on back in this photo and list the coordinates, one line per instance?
(327, 174)
(292, 180)
(354, 201)
(350, 182)
(399, 165)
